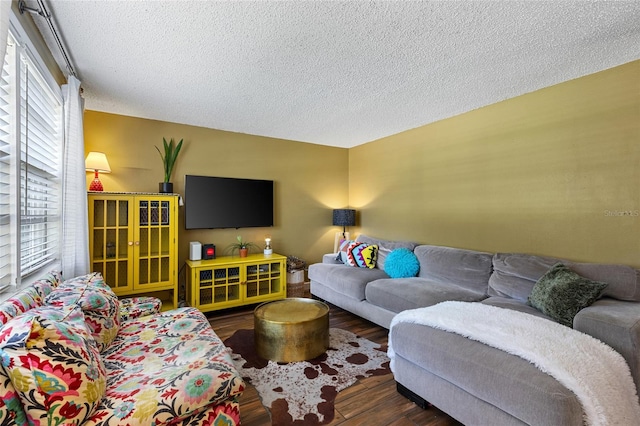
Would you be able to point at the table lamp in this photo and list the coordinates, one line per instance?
(96, 162)
(344, 218)
(267, 246)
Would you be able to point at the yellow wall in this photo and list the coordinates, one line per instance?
(544, 173)
(310, 180)
(541, 173)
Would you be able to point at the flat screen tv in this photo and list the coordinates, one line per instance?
(220, 202)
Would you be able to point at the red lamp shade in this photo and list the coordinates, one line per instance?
(96, 162)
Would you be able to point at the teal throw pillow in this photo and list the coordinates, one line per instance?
(401, 263)
(561, 293)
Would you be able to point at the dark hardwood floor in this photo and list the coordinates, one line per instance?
(373, 401)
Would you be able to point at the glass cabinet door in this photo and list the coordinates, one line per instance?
(110, 239)
(263, 279)
(218, 285)
(154, 242)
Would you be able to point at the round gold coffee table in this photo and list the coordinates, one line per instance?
(292, 329)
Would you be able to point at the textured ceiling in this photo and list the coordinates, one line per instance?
(330, 72)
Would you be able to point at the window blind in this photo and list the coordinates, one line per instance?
(40, 114)
(30, 165)
(5, 169)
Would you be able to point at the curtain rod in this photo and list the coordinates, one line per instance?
(42, 11)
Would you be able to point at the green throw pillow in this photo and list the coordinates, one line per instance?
(561, 293)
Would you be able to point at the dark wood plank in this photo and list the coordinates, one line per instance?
(372, 401)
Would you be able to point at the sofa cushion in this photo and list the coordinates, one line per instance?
(447, 265)
(344, 279)
(514, 304)
(385, 247)
(164, 368)
(399, 294)
(54, 365)
(515, 274)
(362, 255)
(623, 282)
(402, 263)
(561, 293)
(99, 304)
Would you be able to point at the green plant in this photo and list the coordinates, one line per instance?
(241, 245)
(171, 152)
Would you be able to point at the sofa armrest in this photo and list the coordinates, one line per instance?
(616, 323)
(331, 259)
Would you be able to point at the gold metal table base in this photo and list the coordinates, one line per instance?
(293, 329)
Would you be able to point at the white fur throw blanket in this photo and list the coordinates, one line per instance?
(598, 375)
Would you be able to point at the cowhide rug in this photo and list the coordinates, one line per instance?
(303, 393)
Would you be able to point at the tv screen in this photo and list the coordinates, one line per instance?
(220, 202)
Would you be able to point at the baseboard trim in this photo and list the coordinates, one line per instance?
(412, 396)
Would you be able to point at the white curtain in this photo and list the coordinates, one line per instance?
(75, 223)
(5, 11)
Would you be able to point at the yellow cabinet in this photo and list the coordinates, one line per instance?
(133, 242)
(230, 281)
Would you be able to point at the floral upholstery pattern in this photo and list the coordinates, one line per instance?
(30, 297)
(53, 364)
(95, 279)
(100, 305)
(165, 368)
(20, 303)
(161, 368)
(136, 307)
(223, 414)
(47, 283)
(11, 411)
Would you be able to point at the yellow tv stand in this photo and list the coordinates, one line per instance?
(231, 281)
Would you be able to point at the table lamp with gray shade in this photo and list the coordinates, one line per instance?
(344, 218)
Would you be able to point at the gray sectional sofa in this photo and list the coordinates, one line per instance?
(473, 382)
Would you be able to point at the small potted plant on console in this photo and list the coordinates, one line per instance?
(242, 247)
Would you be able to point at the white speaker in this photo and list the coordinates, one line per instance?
(195, 250)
